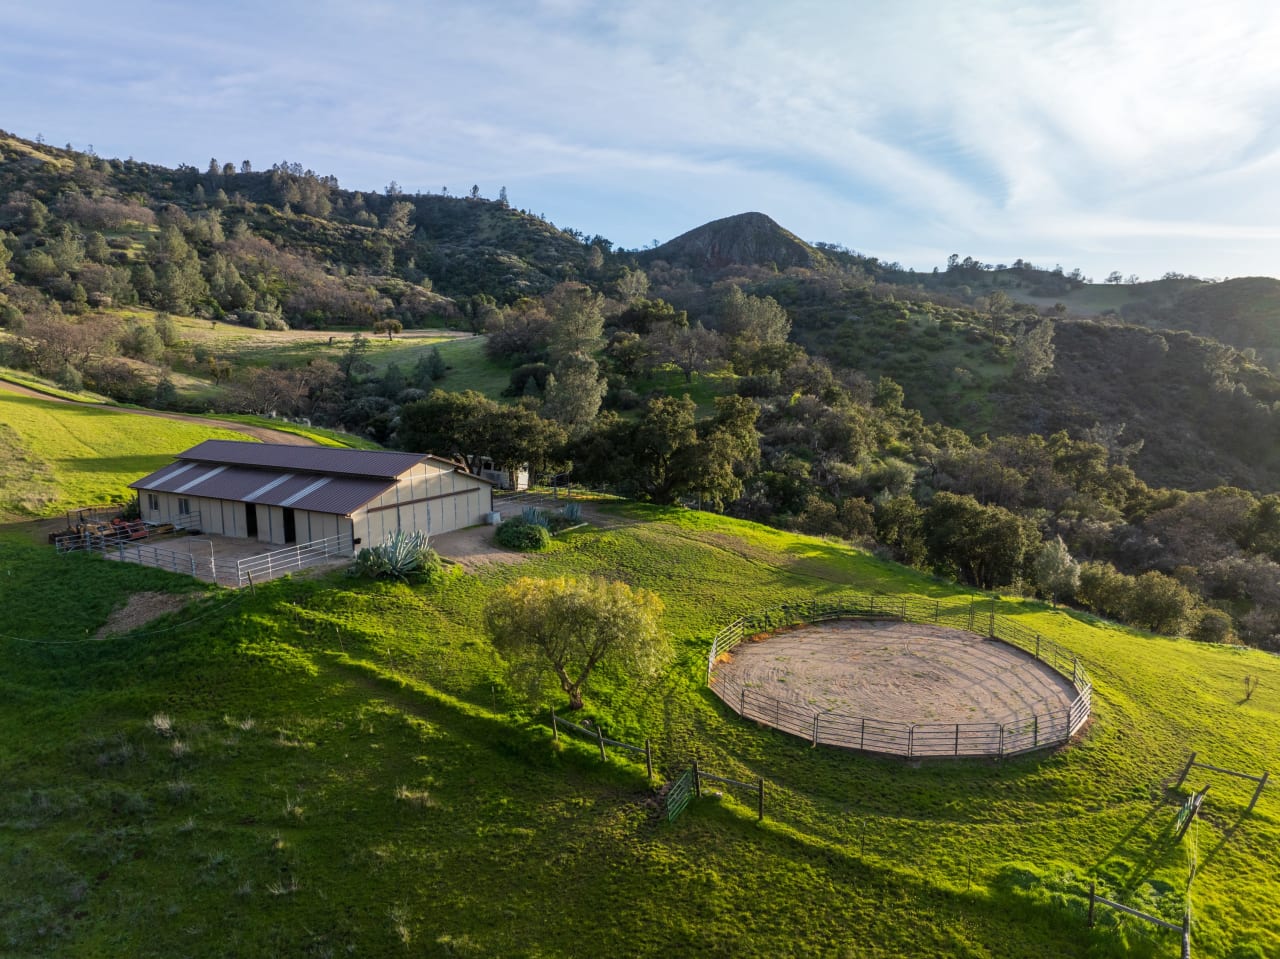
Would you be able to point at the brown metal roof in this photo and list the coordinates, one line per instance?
(304, 459)
(323, 494)
(322, 479)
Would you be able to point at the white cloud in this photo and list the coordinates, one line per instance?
(985, 128)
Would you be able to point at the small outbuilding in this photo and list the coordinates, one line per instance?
(300, 494)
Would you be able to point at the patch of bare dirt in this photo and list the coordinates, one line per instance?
(900, 672)
(474, 547)
(141, 609)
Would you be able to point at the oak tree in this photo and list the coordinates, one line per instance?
(563, 628)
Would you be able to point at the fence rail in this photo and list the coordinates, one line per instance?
(869, 734)
(281, 561)
(189, 562)
(596, 735)
(95, 536)
(175, 561)
(1183, 928)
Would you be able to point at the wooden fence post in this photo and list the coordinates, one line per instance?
(991, 629)
(1185, 769)
(600, 735)
(648, 757)
(760, 805)
(1257, 792)
(697, 779)
(816, 717)
(1186, 933)
(555, 728)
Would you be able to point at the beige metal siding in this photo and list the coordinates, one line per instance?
(312, 526)
(429, 499)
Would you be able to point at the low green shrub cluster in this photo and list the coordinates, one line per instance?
(519, 533)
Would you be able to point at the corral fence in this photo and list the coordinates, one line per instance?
(278, 562)
(101, 535)
(869, 734)
(191, 562)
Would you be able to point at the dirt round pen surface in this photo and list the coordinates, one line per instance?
(897, 672)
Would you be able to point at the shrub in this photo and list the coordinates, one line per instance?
(402, 555)
(526, 537)
(1160, 603)
(1214, 626)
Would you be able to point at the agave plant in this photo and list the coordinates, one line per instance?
(400, 555)
(536, 517)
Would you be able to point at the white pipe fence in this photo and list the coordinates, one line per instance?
(868, 734)
(278, 562)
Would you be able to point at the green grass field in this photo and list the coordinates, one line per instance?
(469, 368)
(54, 456)
(332, 767)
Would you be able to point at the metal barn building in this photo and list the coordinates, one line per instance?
(300, 494)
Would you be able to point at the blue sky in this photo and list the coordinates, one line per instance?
(1099, 135)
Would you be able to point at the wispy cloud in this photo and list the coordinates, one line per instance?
(1096, 130)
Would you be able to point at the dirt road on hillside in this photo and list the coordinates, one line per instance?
(263, 433)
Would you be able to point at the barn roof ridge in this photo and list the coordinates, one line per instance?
(382, 464)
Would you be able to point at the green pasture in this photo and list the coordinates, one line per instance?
(469, 367)
(702, 388)
(54, 456)
(284, 348)
(331, 767)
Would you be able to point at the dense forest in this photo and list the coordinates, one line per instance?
(976, 421)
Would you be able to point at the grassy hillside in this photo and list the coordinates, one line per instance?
(331, 767)
(54, 456)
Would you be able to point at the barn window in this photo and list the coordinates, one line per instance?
(184, 506)
(153, 502)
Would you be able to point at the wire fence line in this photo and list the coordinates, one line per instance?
(677, 793)
(1038, 730)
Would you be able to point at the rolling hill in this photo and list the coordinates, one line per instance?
(337, 766)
